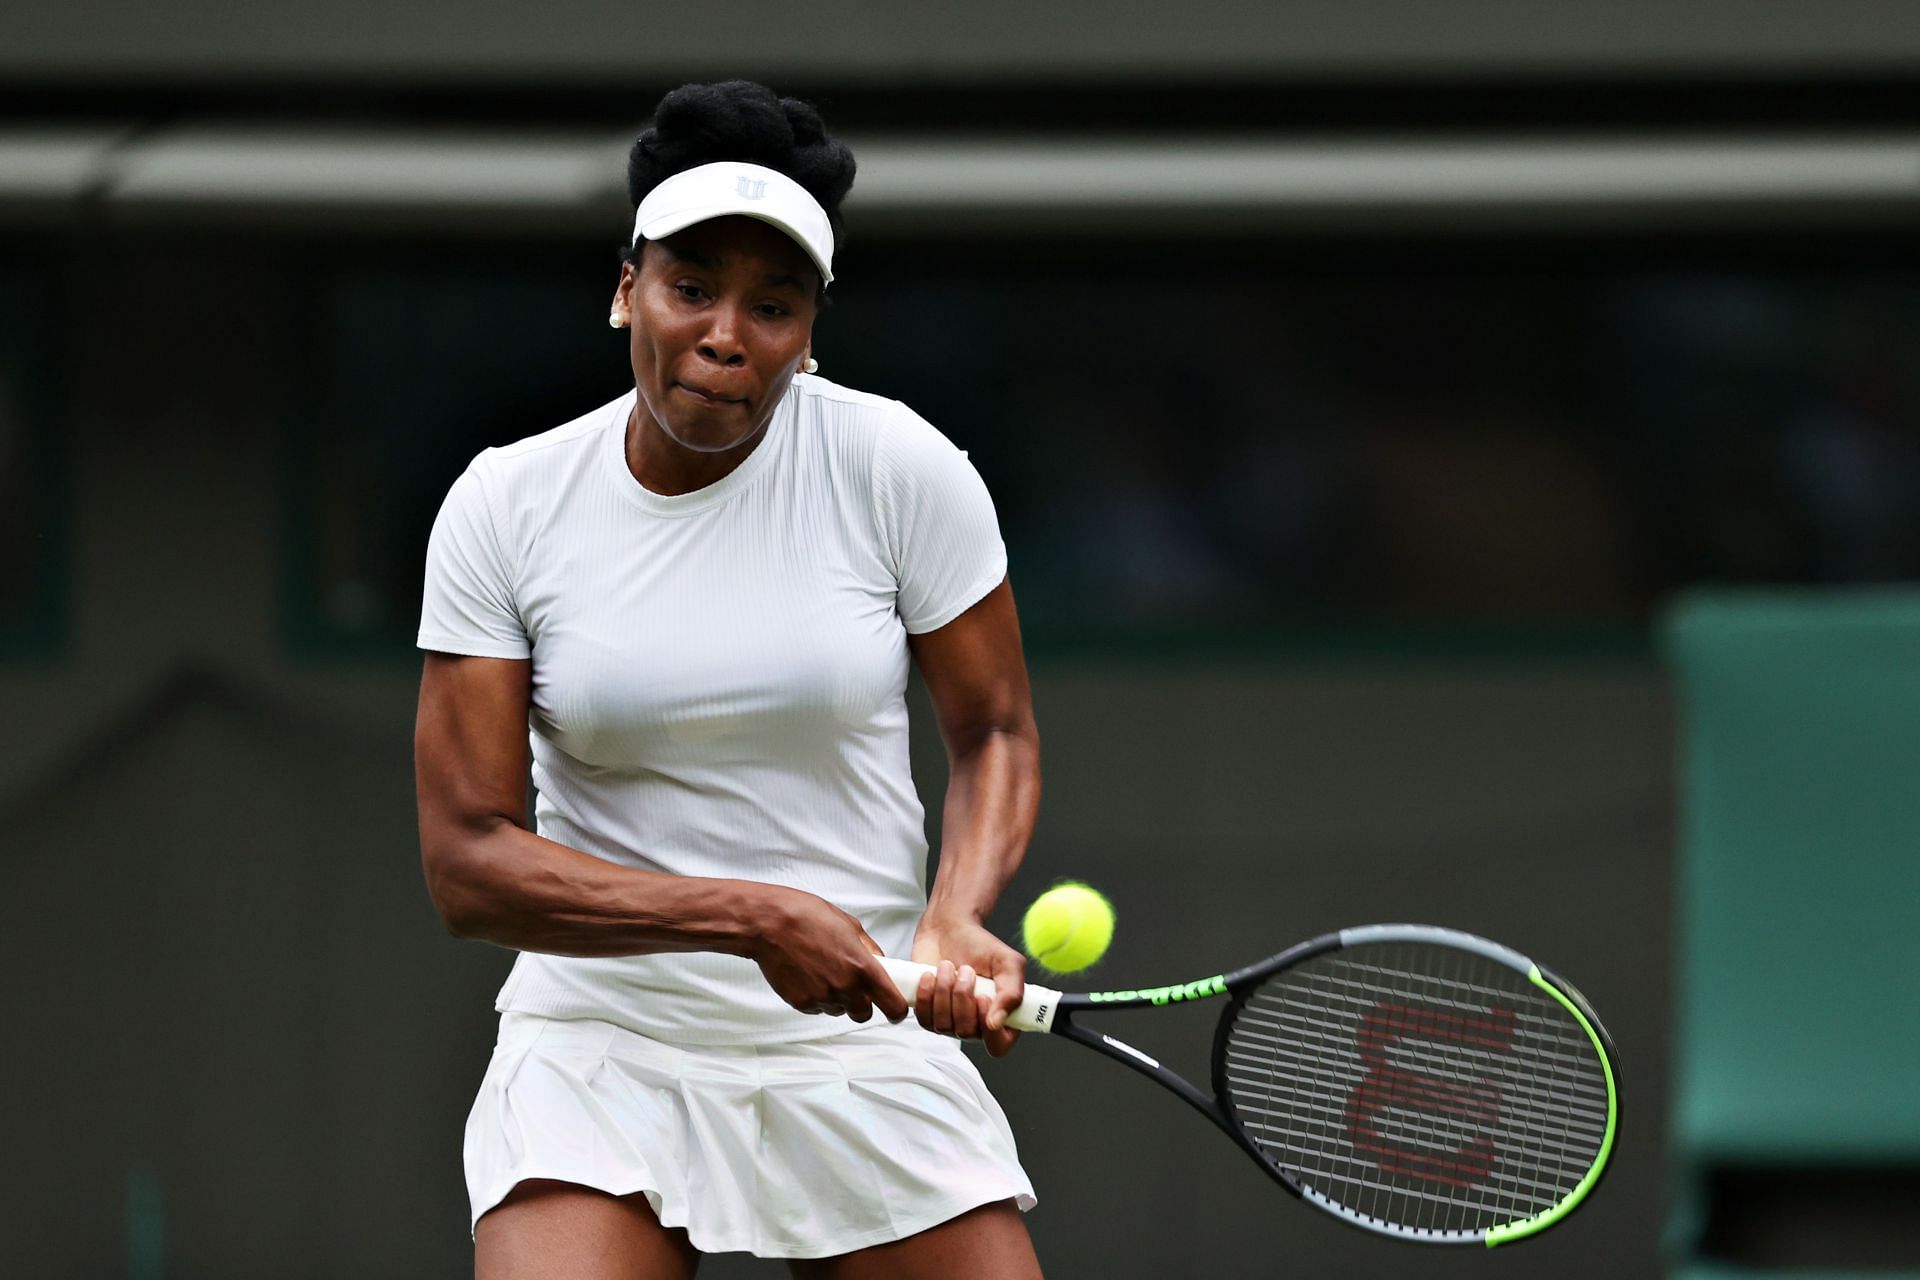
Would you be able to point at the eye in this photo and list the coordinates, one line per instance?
(692, 292)
(773, 310)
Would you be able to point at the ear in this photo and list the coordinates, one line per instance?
(623, 291)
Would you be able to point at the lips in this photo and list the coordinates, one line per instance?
(707, 396)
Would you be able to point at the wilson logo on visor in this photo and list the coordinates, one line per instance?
(750, 188)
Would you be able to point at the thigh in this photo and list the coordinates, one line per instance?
(988, 1241)
(562, 1231)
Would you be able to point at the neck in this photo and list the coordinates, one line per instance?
(664, 466)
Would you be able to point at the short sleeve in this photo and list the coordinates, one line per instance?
(468, 606)
(936, 523)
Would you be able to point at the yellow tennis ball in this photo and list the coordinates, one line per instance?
(1068, 927)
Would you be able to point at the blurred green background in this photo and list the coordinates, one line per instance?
(1459, 464)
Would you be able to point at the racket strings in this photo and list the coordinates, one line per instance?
(1423, 1087)
(1551, 1144)
(1442, 1065)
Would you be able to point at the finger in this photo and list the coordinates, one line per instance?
(983, 1013)
(943, 997)
(1009, 988)
(859, 1008)
(1000, 1043)
(923, 1000)
(886, 997)
(966, 1004)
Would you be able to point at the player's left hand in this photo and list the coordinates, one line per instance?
(946, 1002)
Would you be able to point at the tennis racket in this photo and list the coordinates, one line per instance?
(1419, 1082)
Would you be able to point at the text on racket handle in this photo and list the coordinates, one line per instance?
(1034, 1012)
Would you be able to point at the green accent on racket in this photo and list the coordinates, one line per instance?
(1199, 989)
(1540, 1222)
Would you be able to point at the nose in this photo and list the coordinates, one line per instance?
(722, 341)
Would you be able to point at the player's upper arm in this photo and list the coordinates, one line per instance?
(470, 738)
(470, 764)
(976, 672)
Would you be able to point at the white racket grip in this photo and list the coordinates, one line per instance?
(1034, 1012)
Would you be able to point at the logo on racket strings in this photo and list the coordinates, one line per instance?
(1461, 1108)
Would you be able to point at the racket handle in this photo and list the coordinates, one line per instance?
(1034, 1012)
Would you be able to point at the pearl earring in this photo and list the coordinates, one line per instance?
(812, 365)
(616, 321)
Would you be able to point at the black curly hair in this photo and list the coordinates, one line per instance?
(698, 124)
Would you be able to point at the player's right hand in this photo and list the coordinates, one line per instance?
(819, 959)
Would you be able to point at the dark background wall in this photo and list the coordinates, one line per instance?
(1366, 638)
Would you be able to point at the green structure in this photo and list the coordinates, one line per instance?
(1797, 951)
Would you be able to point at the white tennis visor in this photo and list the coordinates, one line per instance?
(733, 187)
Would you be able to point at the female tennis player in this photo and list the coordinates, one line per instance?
(702, 600)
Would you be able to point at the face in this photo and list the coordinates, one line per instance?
(722, 316)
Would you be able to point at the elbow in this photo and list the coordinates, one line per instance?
(455, 914)
(1015, 731)
(460, 924)
(1023, 739)
(450, 888)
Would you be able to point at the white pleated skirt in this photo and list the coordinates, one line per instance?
(783, 1150)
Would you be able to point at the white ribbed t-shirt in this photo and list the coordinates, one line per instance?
(719, 677)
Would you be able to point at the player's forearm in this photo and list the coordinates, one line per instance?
(993, 798)
(501, 883)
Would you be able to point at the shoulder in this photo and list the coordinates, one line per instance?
(557, 444)
(538, 469)
(820, 397)
(882, 429)
(843, 415)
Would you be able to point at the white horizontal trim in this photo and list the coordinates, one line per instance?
(565, 179)
(1202, 173)
(334, 170)
(54, 164)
